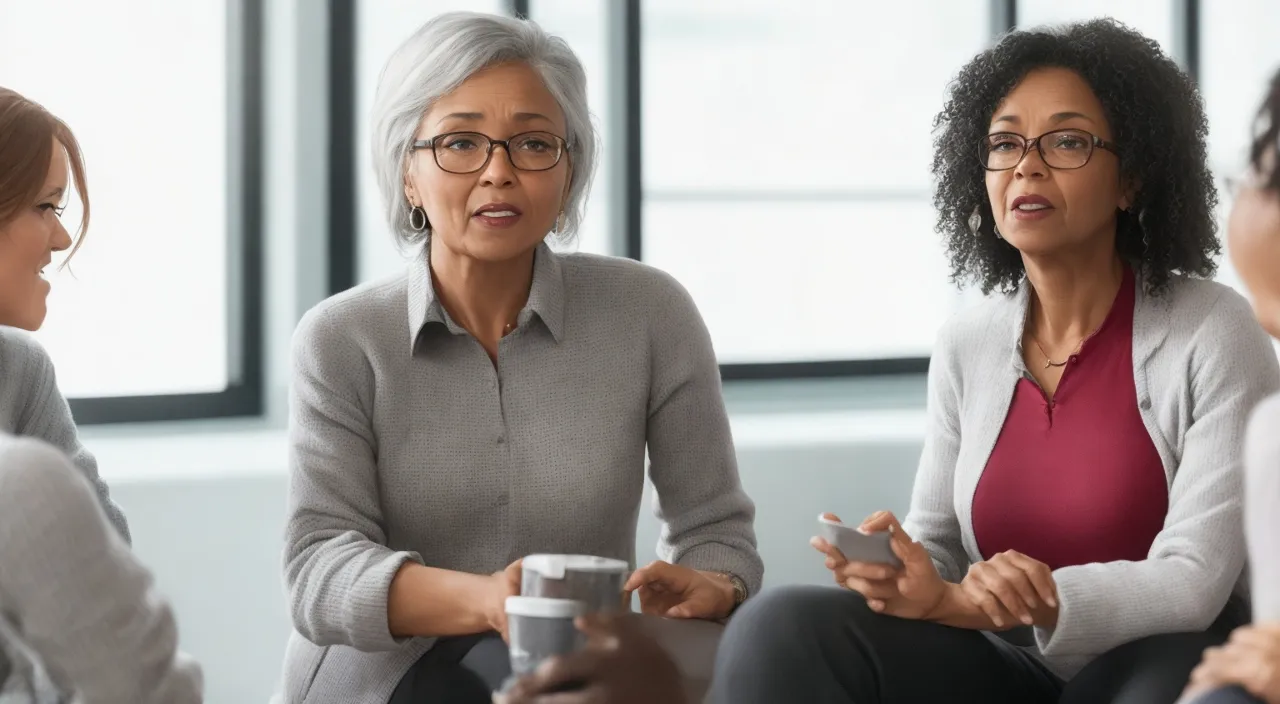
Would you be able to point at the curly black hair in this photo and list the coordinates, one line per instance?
(1157, 119)
(1264, 154)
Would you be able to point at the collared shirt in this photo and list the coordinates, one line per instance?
(409, 443)
(1074, 478)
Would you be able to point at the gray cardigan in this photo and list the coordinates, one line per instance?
(1262, 508)
(1200, 364)
(407, 444)
(32, 406)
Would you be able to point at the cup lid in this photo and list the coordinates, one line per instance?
(543, 607)
(554, 566)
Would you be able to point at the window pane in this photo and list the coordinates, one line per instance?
(1154, 18)
(1239, 55)
(787, 178)
(793, 282)
(381, 26)
(144, 308)
(769, 95)
(583, 24)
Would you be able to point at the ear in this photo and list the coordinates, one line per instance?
(410, 190)
(1129, 189)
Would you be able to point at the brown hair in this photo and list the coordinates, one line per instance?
(1265, 152)
(27, 132)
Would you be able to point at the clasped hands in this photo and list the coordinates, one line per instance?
(1004, 592)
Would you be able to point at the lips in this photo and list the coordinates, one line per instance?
(498, 210)
(1030, 203)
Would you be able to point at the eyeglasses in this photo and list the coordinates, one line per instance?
(468, 152)
(1060, 149)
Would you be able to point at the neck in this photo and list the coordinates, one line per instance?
(483, 297)
(1071, 295)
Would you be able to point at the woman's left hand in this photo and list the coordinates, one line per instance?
(1012, 583)
(1251, 659)
(674, 591)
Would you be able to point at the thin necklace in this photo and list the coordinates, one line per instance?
(1049, 362)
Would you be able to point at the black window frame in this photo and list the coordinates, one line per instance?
(243, 395)
(342, 179)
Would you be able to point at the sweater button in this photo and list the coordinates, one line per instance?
(1145, 404)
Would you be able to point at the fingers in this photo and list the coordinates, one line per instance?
(878, 522)
(987, 602)
(986, 575)
(867, 570)
(832, 517)
(835, 558)
(1040, 575)
(881, 590)
(1020, 583)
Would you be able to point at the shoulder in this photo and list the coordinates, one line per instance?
(1215, 324)
(979, 331)
(33, 466)
(617, 286)
(19, 350)
(364, 313)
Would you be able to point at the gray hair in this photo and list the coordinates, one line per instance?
(439, 57)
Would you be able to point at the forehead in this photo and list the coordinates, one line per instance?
(1050, 91)
(499, 94)
(57, 176)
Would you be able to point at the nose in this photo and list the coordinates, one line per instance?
(1032, 165)
(498, 171)
(61, 240)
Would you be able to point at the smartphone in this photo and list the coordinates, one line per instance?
(857, 546)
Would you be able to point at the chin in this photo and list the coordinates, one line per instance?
(500, 247)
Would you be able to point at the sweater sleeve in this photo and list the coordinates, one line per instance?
(707, 519)
(1199, 554)
(932, 519)
(1262, 499)
(338, 568)
(47, 416)
(82, 601)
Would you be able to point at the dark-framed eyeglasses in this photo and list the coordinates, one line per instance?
(1059, 149)
(469, 152)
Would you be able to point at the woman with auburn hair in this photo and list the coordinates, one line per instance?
(79, 617)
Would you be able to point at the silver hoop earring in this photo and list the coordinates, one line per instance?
(418, 219)
(997, 231)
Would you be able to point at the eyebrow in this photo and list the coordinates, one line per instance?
(57, 191)
(1054, 118)
(472, 116)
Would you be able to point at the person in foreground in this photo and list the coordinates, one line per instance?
(497, 399)
(1247, 668)
(1079, 489)
(79, 617)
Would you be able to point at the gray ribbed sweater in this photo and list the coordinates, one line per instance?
(407, 444)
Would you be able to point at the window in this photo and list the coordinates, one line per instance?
(786, 170)
(1154, 18)
(157, 317)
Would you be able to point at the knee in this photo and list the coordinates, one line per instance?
(794, 613)
(1228, 695)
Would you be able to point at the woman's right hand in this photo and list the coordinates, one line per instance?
(914, 590)
(501, 584)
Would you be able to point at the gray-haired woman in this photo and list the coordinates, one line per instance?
(497, 399)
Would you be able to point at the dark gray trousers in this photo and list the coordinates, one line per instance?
(820, 644)
(457, 670)
(1230, 695)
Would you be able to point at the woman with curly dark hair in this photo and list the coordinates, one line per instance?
(1246, 670)
(1079, 489)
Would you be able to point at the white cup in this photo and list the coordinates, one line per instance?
(539, 628)
(595, 581)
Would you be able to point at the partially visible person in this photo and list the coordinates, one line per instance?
(621, 664)
(31, 232)
(1247, 667)
(1079, 488)
(79, 616)
(496, 399)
